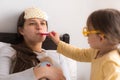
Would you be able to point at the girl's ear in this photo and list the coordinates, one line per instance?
(102, 37)
(20, 30)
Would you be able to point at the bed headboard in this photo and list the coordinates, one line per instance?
(48, 44)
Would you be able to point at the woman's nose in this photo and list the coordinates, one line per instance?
(39, 27)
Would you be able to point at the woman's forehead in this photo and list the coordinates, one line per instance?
(36, 19)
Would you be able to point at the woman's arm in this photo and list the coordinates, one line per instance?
(6, 59)
(24, 75)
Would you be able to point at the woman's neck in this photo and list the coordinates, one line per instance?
(35, 46)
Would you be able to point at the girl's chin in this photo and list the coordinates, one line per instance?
(91, 46)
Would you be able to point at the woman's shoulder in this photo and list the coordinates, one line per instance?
(6, 50)
(2, 44)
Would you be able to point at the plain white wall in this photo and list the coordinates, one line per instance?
(65, 16)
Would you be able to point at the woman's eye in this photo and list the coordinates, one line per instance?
(43, 23)
(32, 23)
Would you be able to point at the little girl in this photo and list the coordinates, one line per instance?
(103, 32)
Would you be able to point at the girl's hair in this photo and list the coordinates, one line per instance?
(20, 24)
(108, 22)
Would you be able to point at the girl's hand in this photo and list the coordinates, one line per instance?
(55, 37)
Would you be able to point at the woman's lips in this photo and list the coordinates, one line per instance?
(45, 33)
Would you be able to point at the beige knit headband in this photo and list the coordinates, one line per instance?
(35, 13)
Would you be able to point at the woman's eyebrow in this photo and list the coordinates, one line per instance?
(35, 20)
(32, 20)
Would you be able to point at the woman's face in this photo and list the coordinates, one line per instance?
(32, 29)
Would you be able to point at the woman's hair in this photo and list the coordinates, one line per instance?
(20, 24)
(108, 22)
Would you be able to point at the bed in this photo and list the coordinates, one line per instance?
(50, 47)
(48, 44)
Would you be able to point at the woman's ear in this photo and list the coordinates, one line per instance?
(20, 30)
